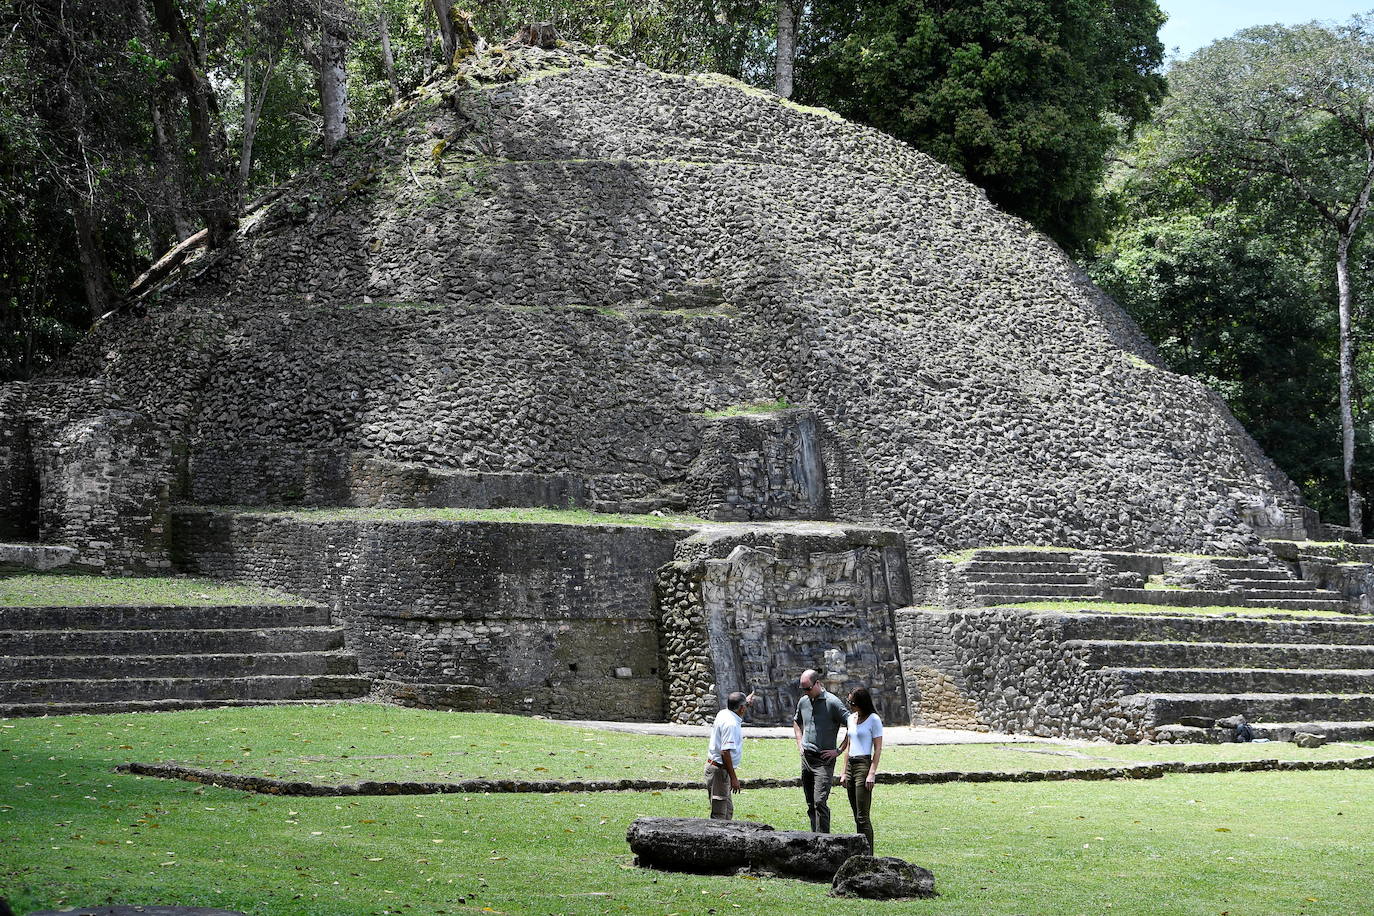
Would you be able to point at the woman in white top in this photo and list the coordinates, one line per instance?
(863, 741)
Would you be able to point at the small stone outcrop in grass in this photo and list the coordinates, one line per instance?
(882, 878)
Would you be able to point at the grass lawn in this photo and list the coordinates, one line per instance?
(56, 589)
(72, 832)
(360, 741)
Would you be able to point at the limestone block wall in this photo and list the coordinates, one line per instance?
(1012, 671)
(279, 476)
(104, 487)
(689, 679)
(770, 602)
(18, 477)
(556, 620)
(759, 466)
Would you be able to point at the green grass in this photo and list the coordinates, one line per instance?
(505, 516)
(744, 410)
(73, 832)
(355, 742)
(1112, 607)
(55, 589)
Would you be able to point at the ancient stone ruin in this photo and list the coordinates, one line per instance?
(584, 390)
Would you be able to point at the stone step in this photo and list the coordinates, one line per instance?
(1023, 556)
(1017, 600)
(1239, 563)
(1259, 574)
(17, 710)
(977, 569)
(1028, 578)
(1129, 653)
(1211, 628)
(1291, 594)
(1300, 604)
(1174, 597)
(1168, 708)
(1334, 731)
(170, 642)
(120, 690)
(1245, 680)
(178, 617)
(1272, 584)
(35, 667)
(1044, 592)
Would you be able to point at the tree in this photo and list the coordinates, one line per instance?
(787, 46)
(1230, 300)
(1293, 105)
(215, 200)
(331, 55)
(1025, 97)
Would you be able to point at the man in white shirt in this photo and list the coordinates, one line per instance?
(724, 754)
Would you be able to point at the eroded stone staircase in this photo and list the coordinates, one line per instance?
(126, 659)
(1283, 675)
(1007, 577)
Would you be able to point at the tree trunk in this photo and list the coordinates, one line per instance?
(250, 129)
(208, 140)
(252, 117)
(1354, 502)
(388, 62)
(787, 47)
(95, 273)
(169, 176)
(333, 77)
(443, 12)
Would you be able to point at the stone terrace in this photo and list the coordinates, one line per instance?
(126, 658)
(1130, 676)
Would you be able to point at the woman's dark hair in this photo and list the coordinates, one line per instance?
(862, 700)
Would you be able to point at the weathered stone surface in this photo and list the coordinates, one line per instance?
(882, 878)
(802, 854)
(36, 556)
(709, 846)
(517, 618)
(104, 485)
(692, 844)
(749, 608)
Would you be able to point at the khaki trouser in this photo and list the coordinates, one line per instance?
(718, 790)
(817, 774)
(860, 796)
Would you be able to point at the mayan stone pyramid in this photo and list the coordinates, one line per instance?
(552, 262)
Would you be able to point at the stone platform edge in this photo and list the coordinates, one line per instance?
(268, 785)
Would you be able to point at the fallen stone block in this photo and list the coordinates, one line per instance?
(704, 846)
(36, 556)
(882, 878)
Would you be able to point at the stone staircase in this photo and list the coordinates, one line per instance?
(127, 659)
(1283, 675)
(1008, 577)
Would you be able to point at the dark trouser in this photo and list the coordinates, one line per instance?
(718, 791)
(860, 796)
(817, 774)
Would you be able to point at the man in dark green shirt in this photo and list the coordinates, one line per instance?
(816, 726)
